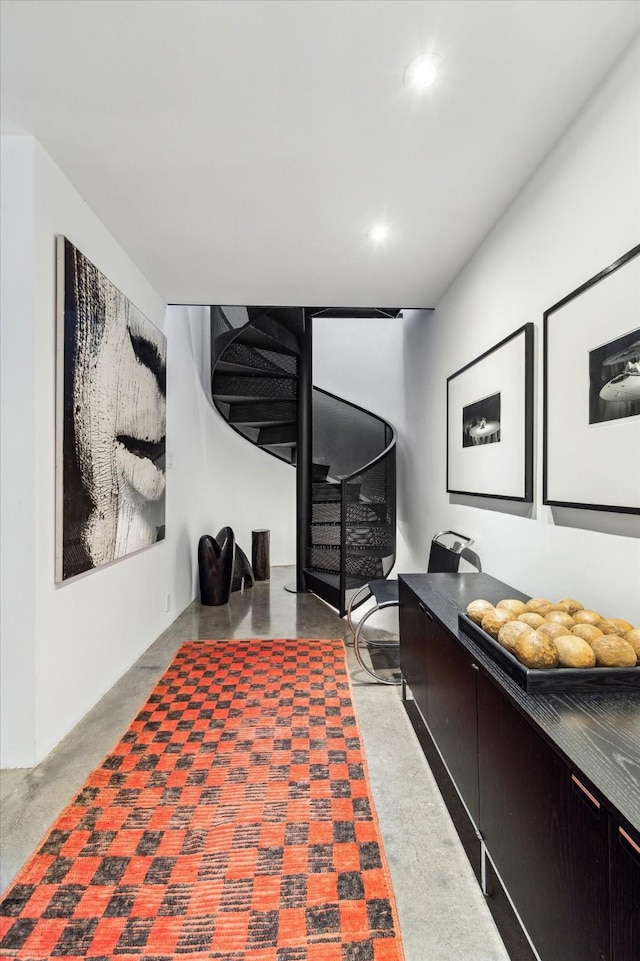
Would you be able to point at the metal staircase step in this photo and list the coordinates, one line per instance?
(328, 512)
(276, 320)
(239, 357)
(275, 338)
(330, 491)
(263, 413)
(319, 473)
(327, 586)
(354, 550)
(287, 454)
(282, 435)
(249, 386)
(357, 565)
(373, 539)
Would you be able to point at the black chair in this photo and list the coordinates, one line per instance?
(380, 657)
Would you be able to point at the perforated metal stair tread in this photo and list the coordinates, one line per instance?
(233, 388)
(333, 580)
(382, 551)
(262, 414)
(244, 357)
(281, 434)
(357, 512)
(332, 491)
(254, 337)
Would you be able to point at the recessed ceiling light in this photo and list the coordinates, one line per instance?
(378, 233)
(421, 71)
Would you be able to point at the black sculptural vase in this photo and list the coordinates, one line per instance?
(222, 567)
(216, 557)
(242, 571)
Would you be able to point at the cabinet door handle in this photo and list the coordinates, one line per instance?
(632, 844)
(586, 793)
(474, 667)
(425, 610)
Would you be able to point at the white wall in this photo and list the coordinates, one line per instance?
(63, 646)
(579, 213)
(17, 452)
(218, 479)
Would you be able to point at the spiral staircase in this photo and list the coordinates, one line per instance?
(345, 456)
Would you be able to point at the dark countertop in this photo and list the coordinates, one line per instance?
(598, 734)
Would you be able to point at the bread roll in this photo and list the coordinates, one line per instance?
(560, 617)
(569, 605)
(536, 650)
(494, 619)
(510, 632)
(615, 625)
(538, 605)
(574, 652)
(551, 629)
(588, 632)
(587, 617)
(477, 609)
(614, 651)
(633, 638)
(512, 605)
(533, 620)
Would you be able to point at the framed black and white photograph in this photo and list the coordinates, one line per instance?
(481, 421)
(111, 416)
(490, 422)
(591, 439)
(614, 379)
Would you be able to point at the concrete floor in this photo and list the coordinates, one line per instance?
(443, 916)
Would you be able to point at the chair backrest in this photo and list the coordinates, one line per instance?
(446, 550)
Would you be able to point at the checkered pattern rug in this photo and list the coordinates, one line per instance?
(232, 821)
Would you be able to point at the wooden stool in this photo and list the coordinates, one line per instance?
(260, 554)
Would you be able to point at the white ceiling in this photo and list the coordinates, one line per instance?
(239, 150)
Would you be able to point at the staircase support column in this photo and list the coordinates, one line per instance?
(304, 448)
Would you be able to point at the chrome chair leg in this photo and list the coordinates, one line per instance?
(352, 627)
(374, 646)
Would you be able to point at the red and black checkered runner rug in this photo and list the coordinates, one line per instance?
(232, 821)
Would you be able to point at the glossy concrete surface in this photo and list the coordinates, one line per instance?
(443, 916)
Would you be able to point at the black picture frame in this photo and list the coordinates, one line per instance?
(493, 457)
(591, 374)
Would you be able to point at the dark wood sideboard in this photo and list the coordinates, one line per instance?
(544, 789)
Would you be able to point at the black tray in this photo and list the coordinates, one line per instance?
(557, 679)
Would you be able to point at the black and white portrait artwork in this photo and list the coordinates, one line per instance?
(614, 379)
(481, 421)
(111, 421)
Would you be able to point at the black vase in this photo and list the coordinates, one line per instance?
(216, 558)
(242, 570)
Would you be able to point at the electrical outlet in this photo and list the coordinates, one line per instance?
(168, 606)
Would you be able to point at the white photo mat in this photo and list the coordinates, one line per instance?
(502, 468)
(590, 465)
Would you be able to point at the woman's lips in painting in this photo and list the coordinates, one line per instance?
(153, 450)
(141, 464)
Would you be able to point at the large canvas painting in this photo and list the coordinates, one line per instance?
(111, 415)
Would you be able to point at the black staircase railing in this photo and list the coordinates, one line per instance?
(260, 360)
